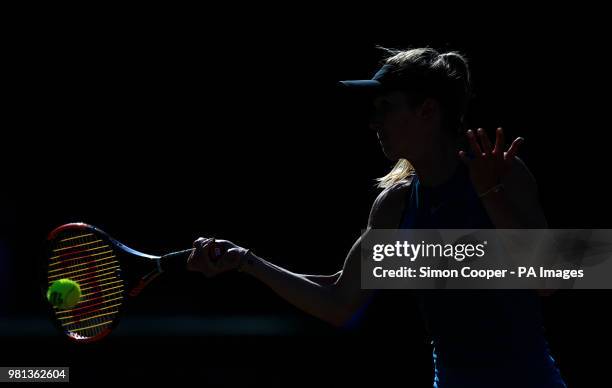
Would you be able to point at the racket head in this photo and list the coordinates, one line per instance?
(89, 256)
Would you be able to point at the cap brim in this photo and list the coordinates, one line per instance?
(362, 85)
(359, 91)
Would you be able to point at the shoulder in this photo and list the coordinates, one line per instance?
(388, 204)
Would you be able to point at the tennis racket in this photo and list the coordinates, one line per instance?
(108, 272)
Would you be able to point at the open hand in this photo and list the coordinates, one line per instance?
(490, 163)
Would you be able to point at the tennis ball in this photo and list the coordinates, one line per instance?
(64, 293)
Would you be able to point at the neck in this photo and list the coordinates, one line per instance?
(437, 166)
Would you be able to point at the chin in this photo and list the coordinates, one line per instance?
(391, 151)
(390, 154)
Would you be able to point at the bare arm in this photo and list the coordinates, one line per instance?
(337, 301)
(319, 296)
(332, 298)
(323, 280)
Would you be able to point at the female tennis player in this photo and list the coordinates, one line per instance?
(480, 338)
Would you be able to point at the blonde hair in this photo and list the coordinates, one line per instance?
(443, 76)
(402, 170)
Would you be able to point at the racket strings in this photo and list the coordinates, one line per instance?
(90, 261)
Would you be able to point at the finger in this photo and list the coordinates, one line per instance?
(200, 241)
(199, 247)
(513, 150)
(207, 244)
(191, 266)
(208, 262)
(473, 143)
(484, 139)
(191, 260)
(221, 246)
(464, 158)
(500, 142)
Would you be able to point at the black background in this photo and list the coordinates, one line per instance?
(160, 126)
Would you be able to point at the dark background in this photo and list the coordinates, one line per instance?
(159, 126)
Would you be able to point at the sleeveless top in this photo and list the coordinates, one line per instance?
(480, 338)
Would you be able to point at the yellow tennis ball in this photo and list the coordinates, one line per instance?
(64, 293)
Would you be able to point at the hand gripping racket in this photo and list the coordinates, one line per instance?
(108, 272)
